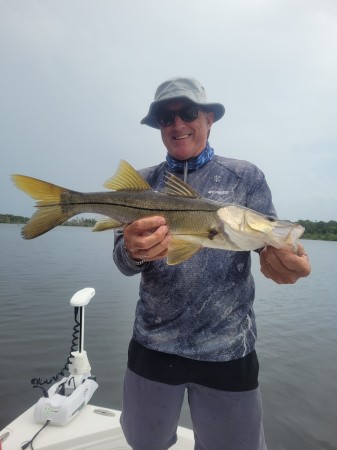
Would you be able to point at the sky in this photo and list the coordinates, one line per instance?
(77, 76)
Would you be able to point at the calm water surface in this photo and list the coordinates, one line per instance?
(296, 342)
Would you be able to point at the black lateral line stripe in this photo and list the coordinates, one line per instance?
(124, 206)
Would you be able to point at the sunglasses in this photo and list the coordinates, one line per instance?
(188, 114)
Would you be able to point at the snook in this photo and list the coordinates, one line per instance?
(194, 222)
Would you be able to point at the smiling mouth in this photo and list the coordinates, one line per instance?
(179, 138)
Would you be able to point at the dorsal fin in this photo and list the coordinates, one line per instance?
(177, 187)
(126, 179)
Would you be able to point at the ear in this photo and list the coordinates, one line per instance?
(210, 118)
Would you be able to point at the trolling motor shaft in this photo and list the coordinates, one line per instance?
(79, 363)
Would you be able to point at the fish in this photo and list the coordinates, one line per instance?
(194, 222)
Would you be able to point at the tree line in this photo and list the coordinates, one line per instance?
(323, 231)
(318, 230)
(76, 222)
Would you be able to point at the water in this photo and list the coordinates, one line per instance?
(296, 343)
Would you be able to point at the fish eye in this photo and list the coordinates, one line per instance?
(271, 219)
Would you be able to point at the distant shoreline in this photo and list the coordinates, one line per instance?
(318, 230)
(20, 220)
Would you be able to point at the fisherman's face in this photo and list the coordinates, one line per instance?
(183, 139)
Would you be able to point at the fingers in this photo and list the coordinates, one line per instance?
(153, 249)
(141, 226)
(147, 239)
(272, 268)
(283, 266)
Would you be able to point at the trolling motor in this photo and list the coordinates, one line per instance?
(65, 399)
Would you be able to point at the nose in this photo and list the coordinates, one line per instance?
(178, 122)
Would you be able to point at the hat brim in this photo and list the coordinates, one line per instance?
(216, 108)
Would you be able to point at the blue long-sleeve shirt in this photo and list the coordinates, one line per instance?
(202, 308)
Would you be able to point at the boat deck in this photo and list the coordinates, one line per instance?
(94, 428)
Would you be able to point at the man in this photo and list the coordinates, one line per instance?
(195, 326)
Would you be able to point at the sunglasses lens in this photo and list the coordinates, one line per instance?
(166, 118)
(188, 114)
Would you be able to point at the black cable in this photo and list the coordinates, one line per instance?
(26, 444)
(38, 381)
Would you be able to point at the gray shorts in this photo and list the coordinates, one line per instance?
(222, 420)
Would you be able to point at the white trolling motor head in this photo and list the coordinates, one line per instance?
(65, 399)
(82, 297)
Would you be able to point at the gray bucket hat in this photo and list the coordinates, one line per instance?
(181, 89)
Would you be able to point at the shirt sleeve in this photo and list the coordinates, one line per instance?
(124, 263)
(259, 197)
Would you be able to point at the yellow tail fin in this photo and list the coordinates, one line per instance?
(48, 197)
(45, 193)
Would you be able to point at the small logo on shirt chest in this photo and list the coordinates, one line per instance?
(217, 179)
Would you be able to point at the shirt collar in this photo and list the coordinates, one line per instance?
(194, 163)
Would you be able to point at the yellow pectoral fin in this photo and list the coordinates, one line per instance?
(106, 224)
(180, 250)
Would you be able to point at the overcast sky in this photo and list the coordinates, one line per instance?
(77, 76)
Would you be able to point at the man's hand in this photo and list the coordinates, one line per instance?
(147, 239)
(283, 266)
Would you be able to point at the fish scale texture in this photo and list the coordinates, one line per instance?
(202, 308)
